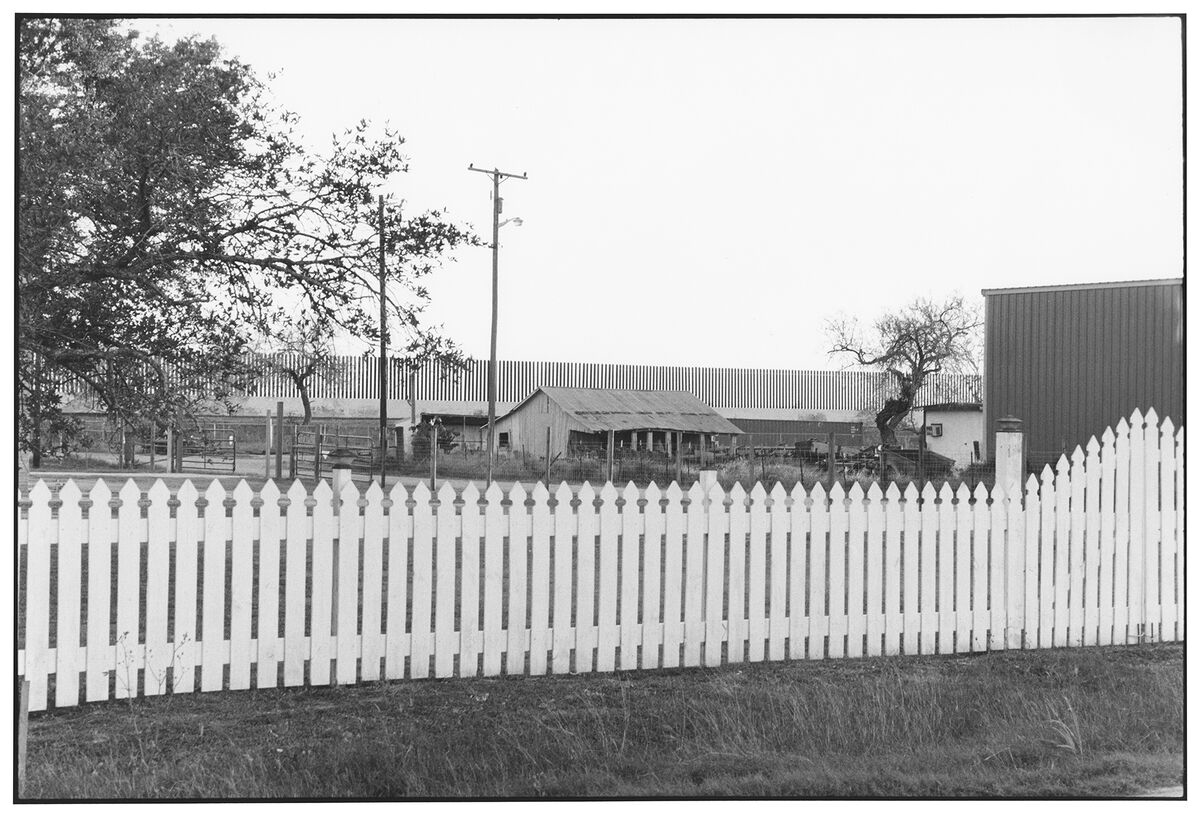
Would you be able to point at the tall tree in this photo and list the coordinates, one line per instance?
(911, 344)
(170, 220)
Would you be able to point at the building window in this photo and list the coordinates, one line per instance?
(503, 439)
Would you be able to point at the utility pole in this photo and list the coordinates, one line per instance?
(497, 205)
(383, 361)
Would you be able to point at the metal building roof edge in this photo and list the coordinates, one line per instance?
(719, 423)
(1149, 282)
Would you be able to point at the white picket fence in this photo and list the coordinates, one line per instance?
(406, 586)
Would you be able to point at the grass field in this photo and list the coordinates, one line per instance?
(1091, 722)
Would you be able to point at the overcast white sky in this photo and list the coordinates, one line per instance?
(711, 191)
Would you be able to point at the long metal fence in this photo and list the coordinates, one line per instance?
(351, 377)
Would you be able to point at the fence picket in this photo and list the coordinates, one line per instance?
(777, 623)
(928, 570)
(1166, 527)
(539, 581)
(157, 592)
(129, 578)
(876, 620)
(1181, 579)
(964, 535)
(183, 635)
(1121, 534)
(735, 639)
(562, 631)
(606, 603)
(471, 641)
(1107, 535)
(1151, 514)
(756, 578)
(1048, 510)
(797, 576)
(295, 602)
(1091, 549)
(422, 583)
(241, 587)
(212, 611)
(349, 534)
(996, 567)
(1137, 529)
(629, 576)
(70, 553)
(715, 584)
(673, 577)
(373, 648)
(819, 604)
(910, 594)
(838, 524)
(1031, 556)
(266, 673)
(518, 558)
(1061, 582)
(324, 531)
(37, 595)
(493, 578)
(446, 637)
(693, 597)
(100, 655)
(585, 566)
(856, 623)
(945, 549)
(652, 578)
(1075, 560)
(893, 626)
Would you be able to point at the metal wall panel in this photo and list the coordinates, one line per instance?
(1071, 361)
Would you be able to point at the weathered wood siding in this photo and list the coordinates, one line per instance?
(527, 425)
(1069, 360)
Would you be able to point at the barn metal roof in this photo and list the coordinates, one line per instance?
(953, 407)
(630, 409)
(1153, 282)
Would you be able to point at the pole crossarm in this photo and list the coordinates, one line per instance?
(499, 174)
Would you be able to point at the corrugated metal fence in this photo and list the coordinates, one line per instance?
(357, 378)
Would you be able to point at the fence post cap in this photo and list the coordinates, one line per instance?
(340, 457)
(1008, 423)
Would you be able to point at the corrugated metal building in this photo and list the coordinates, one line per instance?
(1069, 361)
(580, 419)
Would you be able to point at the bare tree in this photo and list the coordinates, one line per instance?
(922, 339)
(303, 354)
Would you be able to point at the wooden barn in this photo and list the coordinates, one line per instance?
(578, 421)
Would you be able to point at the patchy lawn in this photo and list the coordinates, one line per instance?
(1091, 722)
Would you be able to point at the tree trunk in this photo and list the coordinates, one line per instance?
(889, 417)
(302, 387)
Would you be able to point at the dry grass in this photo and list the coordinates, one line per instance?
(1085, 722)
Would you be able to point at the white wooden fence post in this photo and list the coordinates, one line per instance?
(1010, 455)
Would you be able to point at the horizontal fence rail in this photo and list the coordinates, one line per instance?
(356, 377)
(123, 594)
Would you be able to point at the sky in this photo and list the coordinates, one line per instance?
(712, 192)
